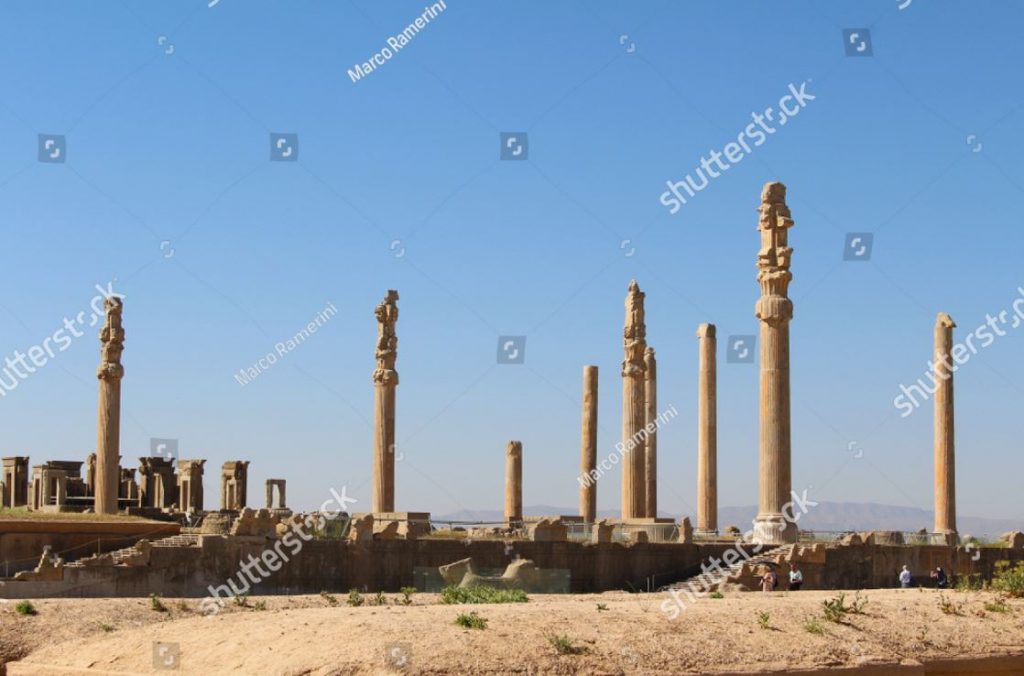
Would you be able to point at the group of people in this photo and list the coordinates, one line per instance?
(770, 580)
(939, 575)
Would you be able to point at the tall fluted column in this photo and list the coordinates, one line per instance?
(775, 310)
(633, 413)
(651, 442)
(588, 447)
(707, 432)
(514, 484)
(108, 423)
(385, 380)
(945, 461)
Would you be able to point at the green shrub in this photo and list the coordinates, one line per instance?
(602, 606)
(355, 599)
(948, 607)
(156, 604)
(481, 594)
(379, 599)
(471, 621)
(564, 645)
(260, 605)
(242, 600)
(997, 606)
(331, 600)
(764, 619)
(407, 593)
(25, 608)
(812, 625)
(106, 627)
(716, 595)
(836, 607)
(1010, 581)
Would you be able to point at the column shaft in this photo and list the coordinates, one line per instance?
(651, 441)
(707, 431)
(945, 463)
(588, 447)
(514, 484)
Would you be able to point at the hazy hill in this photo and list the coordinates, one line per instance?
(827, 516)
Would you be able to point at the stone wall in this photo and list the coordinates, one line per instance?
(21, 541)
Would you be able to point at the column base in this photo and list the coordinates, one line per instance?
(774, 529)
(705, 532)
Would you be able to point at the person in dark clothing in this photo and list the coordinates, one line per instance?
(939, 575)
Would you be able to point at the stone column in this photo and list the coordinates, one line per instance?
(385, 380)
(588, 450)
(633, 413)
(108, 423)
(707, 432)
(651, 442)
(945, 462)
(514, 484)
(775, 310)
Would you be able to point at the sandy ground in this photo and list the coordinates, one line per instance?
(308, 635)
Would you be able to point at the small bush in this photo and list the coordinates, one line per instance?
(471, 621)
(966, 583)
(242, 600)
(482, 595)
(183, 606)
(948, 607)
(1009, 581)
(106, 627)
(812, 625)
(355, 599)
(407, 593)
(997, 606)
(563, 645)
(25, 608)
(836, 607)
(716, 595)
(331, 600)
(602, 606)
(260, 605)
(764, 619)
(156, 604)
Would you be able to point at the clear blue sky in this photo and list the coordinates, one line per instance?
(175, 147)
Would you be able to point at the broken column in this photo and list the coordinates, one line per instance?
(633, 410)
(707, 432)
(15, 481)
(108, 424)
(234, 485)
(514, 484)
(190, 485)
(651, 441)
(385, 379)
(945, 462)
(588, 450)
(775, 310)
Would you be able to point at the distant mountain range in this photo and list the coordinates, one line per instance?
(826, 516)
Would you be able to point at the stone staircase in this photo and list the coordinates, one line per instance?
(119, 555)
(735, 573)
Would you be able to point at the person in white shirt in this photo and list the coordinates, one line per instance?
(796, 578)
(905, 577)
